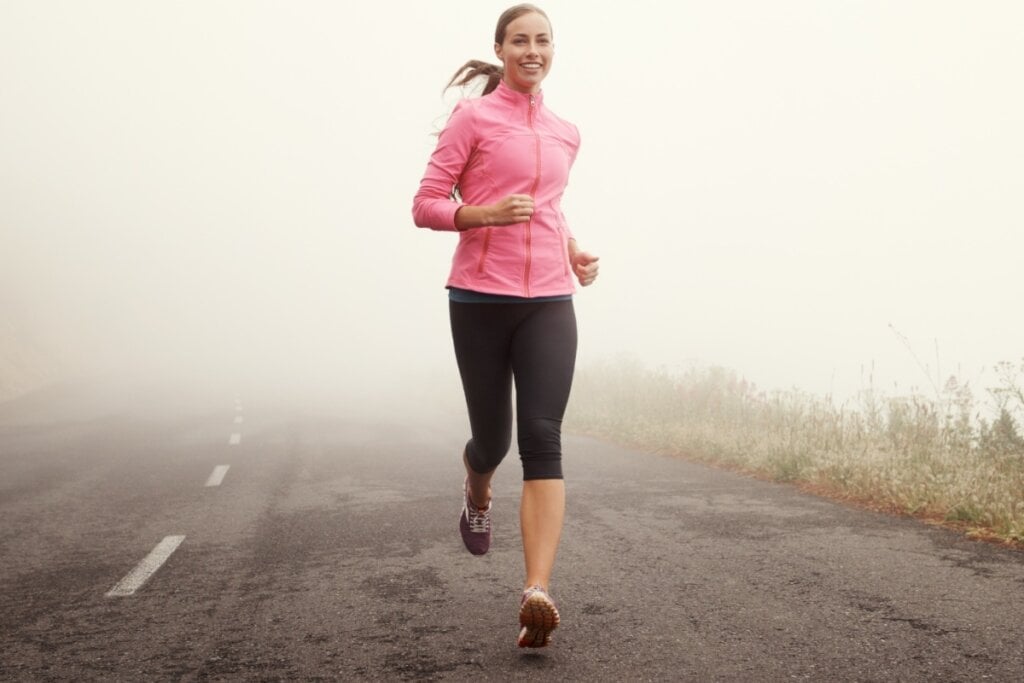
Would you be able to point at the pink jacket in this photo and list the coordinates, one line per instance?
(504, 143)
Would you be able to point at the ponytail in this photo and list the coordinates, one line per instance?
(474, 69)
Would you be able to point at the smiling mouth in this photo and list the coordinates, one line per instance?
(531, 65)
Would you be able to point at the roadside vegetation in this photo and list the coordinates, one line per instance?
(951, 456)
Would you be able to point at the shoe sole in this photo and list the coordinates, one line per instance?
(538, 617)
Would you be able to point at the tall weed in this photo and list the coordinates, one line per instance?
(945, 456)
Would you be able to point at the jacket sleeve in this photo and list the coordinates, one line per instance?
(433, 207)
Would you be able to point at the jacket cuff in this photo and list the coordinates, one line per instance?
(436, 214)
(451, 210)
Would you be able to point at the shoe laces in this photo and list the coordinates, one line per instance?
(479, 519)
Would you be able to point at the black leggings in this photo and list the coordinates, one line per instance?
(536, 344)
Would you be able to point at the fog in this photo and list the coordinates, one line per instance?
(805, 192)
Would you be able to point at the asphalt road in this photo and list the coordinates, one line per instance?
(330, 550)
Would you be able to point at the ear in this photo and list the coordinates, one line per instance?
(497, 52)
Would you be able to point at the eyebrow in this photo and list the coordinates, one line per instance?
(526, 35)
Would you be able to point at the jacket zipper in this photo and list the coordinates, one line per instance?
(533, 193)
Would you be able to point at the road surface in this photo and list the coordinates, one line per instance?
(220, 535)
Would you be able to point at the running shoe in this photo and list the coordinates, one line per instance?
(538, 617)
(474, 524)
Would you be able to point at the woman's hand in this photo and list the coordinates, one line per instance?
(584, 264)
(515, 208)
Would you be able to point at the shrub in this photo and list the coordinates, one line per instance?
(927, 456)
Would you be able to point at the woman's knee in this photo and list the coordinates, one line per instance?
(540, 448)
(484, 455)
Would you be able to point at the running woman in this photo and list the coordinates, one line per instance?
(497, 177)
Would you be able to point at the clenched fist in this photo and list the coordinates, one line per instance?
(584, 265)
(515, 208)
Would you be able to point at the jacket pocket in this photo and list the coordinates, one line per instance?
(483, 250)
(565, 249)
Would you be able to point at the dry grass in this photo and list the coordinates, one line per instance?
(937, 458)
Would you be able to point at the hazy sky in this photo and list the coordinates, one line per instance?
(226, 186)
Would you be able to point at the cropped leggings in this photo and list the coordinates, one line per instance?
(534, 344)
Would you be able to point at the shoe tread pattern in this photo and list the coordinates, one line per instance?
(538, 617)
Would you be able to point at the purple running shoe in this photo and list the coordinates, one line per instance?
(474, 524)
(538, 617)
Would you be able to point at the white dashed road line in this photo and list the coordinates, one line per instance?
(218, 475)
(236, 439)
(238, 420)
(145, 569)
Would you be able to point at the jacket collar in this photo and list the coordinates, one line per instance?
(516, 98)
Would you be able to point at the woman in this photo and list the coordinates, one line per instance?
(497, 176)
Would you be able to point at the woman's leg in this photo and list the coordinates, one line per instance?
(540, 516)
(543, 360)
(479, 484)
(482, 336)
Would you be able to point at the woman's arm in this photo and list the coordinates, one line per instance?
(432, 207)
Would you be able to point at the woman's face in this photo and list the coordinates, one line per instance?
(526, 52)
